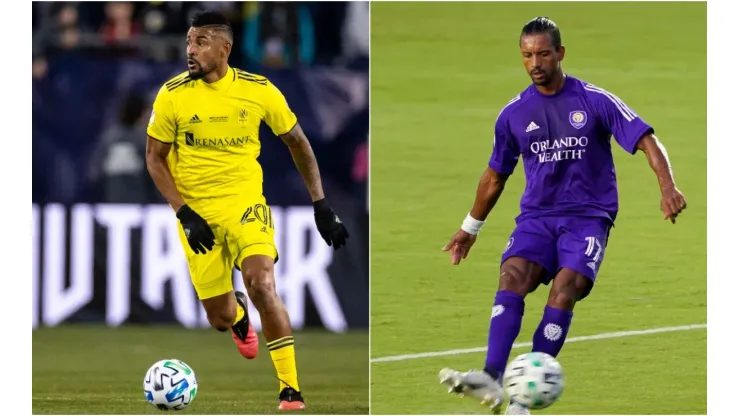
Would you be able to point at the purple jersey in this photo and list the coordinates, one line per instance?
(564, 140)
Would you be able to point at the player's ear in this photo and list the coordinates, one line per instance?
(561, 52)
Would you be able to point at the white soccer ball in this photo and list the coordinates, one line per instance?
(170, 385)
(534, 380)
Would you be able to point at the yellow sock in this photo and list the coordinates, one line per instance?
(283, 357)
(239, 313)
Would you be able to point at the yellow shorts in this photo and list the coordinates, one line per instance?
(242, 230)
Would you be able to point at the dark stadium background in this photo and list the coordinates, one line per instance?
(105, 274)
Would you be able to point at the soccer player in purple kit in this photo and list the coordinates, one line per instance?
(561, 127)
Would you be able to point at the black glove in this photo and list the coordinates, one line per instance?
(198, 232)
(330, 226)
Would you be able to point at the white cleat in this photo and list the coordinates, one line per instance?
(476, 384)
(516, 409)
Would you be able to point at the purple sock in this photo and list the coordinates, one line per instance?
(550, 335)
(506, 321)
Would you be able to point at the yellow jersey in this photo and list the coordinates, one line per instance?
(214, 130)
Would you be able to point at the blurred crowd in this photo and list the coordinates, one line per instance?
(274, 34)
(97, 66)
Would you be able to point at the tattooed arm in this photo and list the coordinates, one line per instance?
(330, 227)
(305, 161)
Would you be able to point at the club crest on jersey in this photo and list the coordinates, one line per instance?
(577, 119)
(242, 115)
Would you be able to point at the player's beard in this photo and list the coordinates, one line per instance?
(199, 71)
(544, 79)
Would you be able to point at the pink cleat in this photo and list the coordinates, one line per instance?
(242, 332)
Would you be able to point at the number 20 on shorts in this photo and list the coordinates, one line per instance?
(259, 212)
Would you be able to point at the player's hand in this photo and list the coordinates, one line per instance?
(329, 225)
(197, 231)
(672, 203)
(459, 245)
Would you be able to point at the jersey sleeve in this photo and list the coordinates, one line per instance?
(162, 124)
(505, 154)
(621, 121)
(278, 115)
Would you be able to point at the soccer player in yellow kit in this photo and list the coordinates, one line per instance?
(202, 148)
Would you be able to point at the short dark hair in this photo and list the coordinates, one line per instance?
(540, 25)
(209, 18)
(214, 19)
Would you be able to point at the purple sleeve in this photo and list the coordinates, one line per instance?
(623, 123)
(505, 150)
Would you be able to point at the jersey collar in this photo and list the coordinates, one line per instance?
(566, 87)
(224, 82)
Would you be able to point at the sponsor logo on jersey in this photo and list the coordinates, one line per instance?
(564, 148)
(191, 140)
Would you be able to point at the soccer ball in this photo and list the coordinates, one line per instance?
(170, 385)
(534, 380)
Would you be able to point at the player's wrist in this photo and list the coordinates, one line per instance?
(471, 225)
(321, 206)
(666, 185)
(183, 211)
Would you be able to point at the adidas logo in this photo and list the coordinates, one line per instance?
(532, 126)
(195, 119)
(592, 265)
(264, 229)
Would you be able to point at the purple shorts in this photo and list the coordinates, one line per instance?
(576, 243)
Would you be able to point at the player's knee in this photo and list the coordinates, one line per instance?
(564, 299)
(514, 280)
(583, 287)
(222, 321)
(221, 317)
(261, 285)
(567, 291)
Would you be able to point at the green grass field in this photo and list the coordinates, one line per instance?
(440, 74)
(94, 370)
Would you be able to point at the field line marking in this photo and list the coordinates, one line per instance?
(606, 335)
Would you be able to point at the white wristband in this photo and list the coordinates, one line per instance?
(471, 226)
